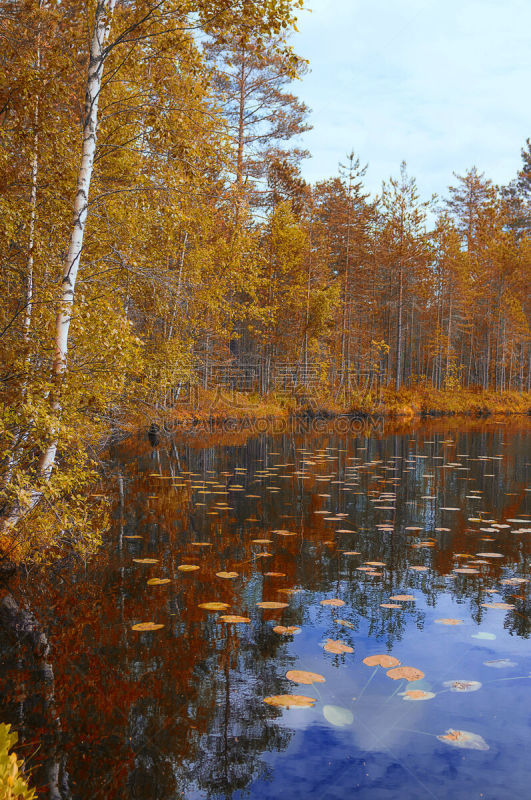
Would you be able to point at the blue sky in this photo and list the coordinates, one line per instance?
(442, 84)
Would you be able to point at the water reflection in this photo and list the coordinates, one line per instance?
(180, 711)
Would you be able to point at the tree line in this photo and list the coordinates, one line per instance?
(155, 221)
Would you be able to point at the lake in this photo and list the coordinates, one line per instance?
(391, 660)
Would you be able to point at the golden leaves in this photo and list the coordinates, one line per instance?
(233, 619)
(383, 660)
(417, 694)
(301, 676)
(289, 630)
(146, 626)
(405, 673)
(290, 701)
(227, 575)
(337, 647)
(146, 560)
(187, 567)
(271, 604)
(158, 581)
(449, 621)
(334, 601)
(214, 606)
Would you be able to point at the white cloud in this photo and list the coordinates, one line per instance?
(441, 85)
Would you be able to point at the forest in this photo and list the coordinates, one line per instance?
(158, 235)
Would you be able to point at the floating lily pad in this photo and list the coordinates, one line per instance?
(214, 606)
(383, 660)
(337, 647)
(464, 739)
(290, 701)
(463, 686)
(146, 626)
(286, 630)
(338, 716)
(301, 676)
(417, 694)
(405, 673)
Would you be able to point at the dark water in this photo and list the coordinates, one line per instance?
(179, 712)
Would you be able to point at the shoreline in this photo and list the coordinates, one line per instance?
(280, 413)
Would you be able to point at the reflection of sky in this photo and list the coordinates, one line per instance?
(385, 754)
(441, 85)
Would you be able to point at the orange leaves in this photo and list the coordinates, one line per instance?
(381, 661)
(405, 673)
(290, 701)
(214, 606)
(337, 647)
(146, 626)
(290, 630)
(301, 676)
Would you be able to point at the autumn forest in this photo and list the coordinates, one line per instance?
(157, 235)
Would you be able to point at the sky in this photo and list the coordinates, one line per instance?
(441, 84)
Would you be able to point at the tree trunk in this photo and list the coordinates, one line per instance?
(102, 21)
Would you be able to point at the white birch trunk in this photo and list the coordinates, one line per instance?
(102, 21)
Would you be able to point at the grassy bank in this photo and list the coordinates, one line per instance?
(214, 408)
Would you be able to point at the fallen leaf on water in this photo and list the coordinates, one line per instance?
(390, 605)
(275, 574)
(301, 676)
(233, 618)
(146, 560)
(337, 647)
(290, 701)
(501, 606)
(157, 581)
(465, 739)
(334, 601)
(271, 604)
(345, 623)
(288, 630)
(214, 606)
(403, 597)
(187, 567)
(383, 660)
(406, 673)
(227, 574)
(449, 621)
(146, 626)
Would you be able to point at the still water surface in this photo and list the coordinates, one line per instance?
(421, 540)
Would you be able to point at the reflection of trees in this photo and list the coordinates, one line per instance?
(150, 715)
